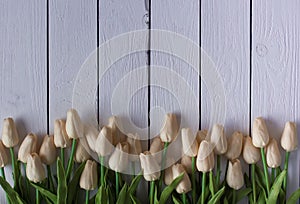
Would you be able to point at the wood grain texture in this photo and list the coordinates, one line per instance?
(225, 37)
(23, 72)
(275, 70)
(72, 38)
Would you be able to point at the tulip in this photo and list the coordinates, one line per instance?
(135, 147)
(189, 143)
(235, 146)
(251, 154)
(81, 154)
(91, 134)
(289, 142)
(35, 171)
(151, 168)
(61, 139)
(273, 154)
(201, 135)
(104, 146)
(170, 128)
(260, 134)
(205, 159)
(168, 177)
(185, 184)
(117, 135)
(10, 137)
(234, 177)
(89, 176)
(3, 155)
(156, 147)
(28, 146)
(219, 139)
(48, 150)
(186, 161)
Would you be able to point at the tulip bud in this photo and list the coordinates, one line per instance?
(205, 160)
(151, 168)
(74, 126)
(48, 150)
(10, 137)
(234, 175)
(135, 146)
(219, 139)
(201, 135)
(235, 146)
(273, 155)
(168, 178)
(170, 128)
(104, 146)
(91, 134)
(289, 138)
(89, 176)
(118, 161)
(35, 171)
(3, 155)
(260, 134)
(184, 185)
(186, 161)
(251, 154)
(189, 143)
(117, 134)
(156, 147)
(28, 146)
(81, 155)
(61, 139)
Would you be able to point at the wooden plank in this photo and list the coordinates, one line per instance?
(275, 70)
(23, 72)
(225, 37)
(72, 38)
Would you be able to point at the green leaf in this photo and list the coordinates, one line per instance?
(12, 195)
(175, 200)
(169, 189)
(216, 198)
(247, 180)
(134, 200)
(45, 192)
(123, 196)
(205, 196)
(243, 193)
(73, 185)
(294, 197)
(155, 196)
(62, 183)
(261, 197)
(134, 183)
(274, 192)
(225, 201)
(260, 176)
(101, 196)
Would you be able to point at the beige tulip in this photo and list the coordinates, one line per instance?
(150, 167)
(190, 145)
(91, 134)
(3, 155)
(251, 154)
(135, 147)
(89, 176)
(218, 139)
(81, 154)
(185, 184)
(168, 177)
(260, 134)
(155, 148)
(235, 146)
(114, 124)
(289, 138)
(10, 137)
(48, 150)
(273, 155)
(61, 139)
(28, 146)
(118, 161)
(170, 128)
(205, 160)
(104, 146)
(201, 135)
(186, 161)
(234, 175)
(35, 171)
(74, 126)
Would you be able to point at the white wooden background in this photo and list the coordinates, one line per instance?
(254, 44)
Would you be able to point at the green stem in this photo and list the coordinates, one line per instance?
(263, 156)
(102, 170)
(152, 186)
(133, 169)
(71, 162)
(203, 187)
(218, 170)
(3, 176)
(37, 196)
(233, 196)
(87, 196)
(50, 179)
(273, 175)
(211, 175)
(13, 162)
(117, 183)
(193, 180)
(286, 166)
(163, 161)
(62, 156)
(253, 182)
(184, 198)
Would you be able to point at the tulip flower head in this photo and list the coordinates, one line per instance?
(201, 135)
(273, 155)
(28, 146)
(234, 177)
(251, 154)
(81, 154)
(3, 155)
(170, 128)
(185, 184)
(35, 171)
(89, 176)
(74, 126)
(235, 146)
(151, 168)
(118, 136)
(205, 160)
(289, 138)
(260, 133)
(48, 150)
(118, 161)
(91, 134)
(155, 148)
(61, 139)
(10, 137)
(135, 147)
(104, 143)
(186, 161)
(190, 145)
(218, 139)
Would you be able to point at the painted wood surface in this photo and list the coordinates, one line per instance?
(23, 72)
(275, 70)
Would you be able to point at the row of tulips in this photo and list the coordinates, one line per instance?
(193, 179)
